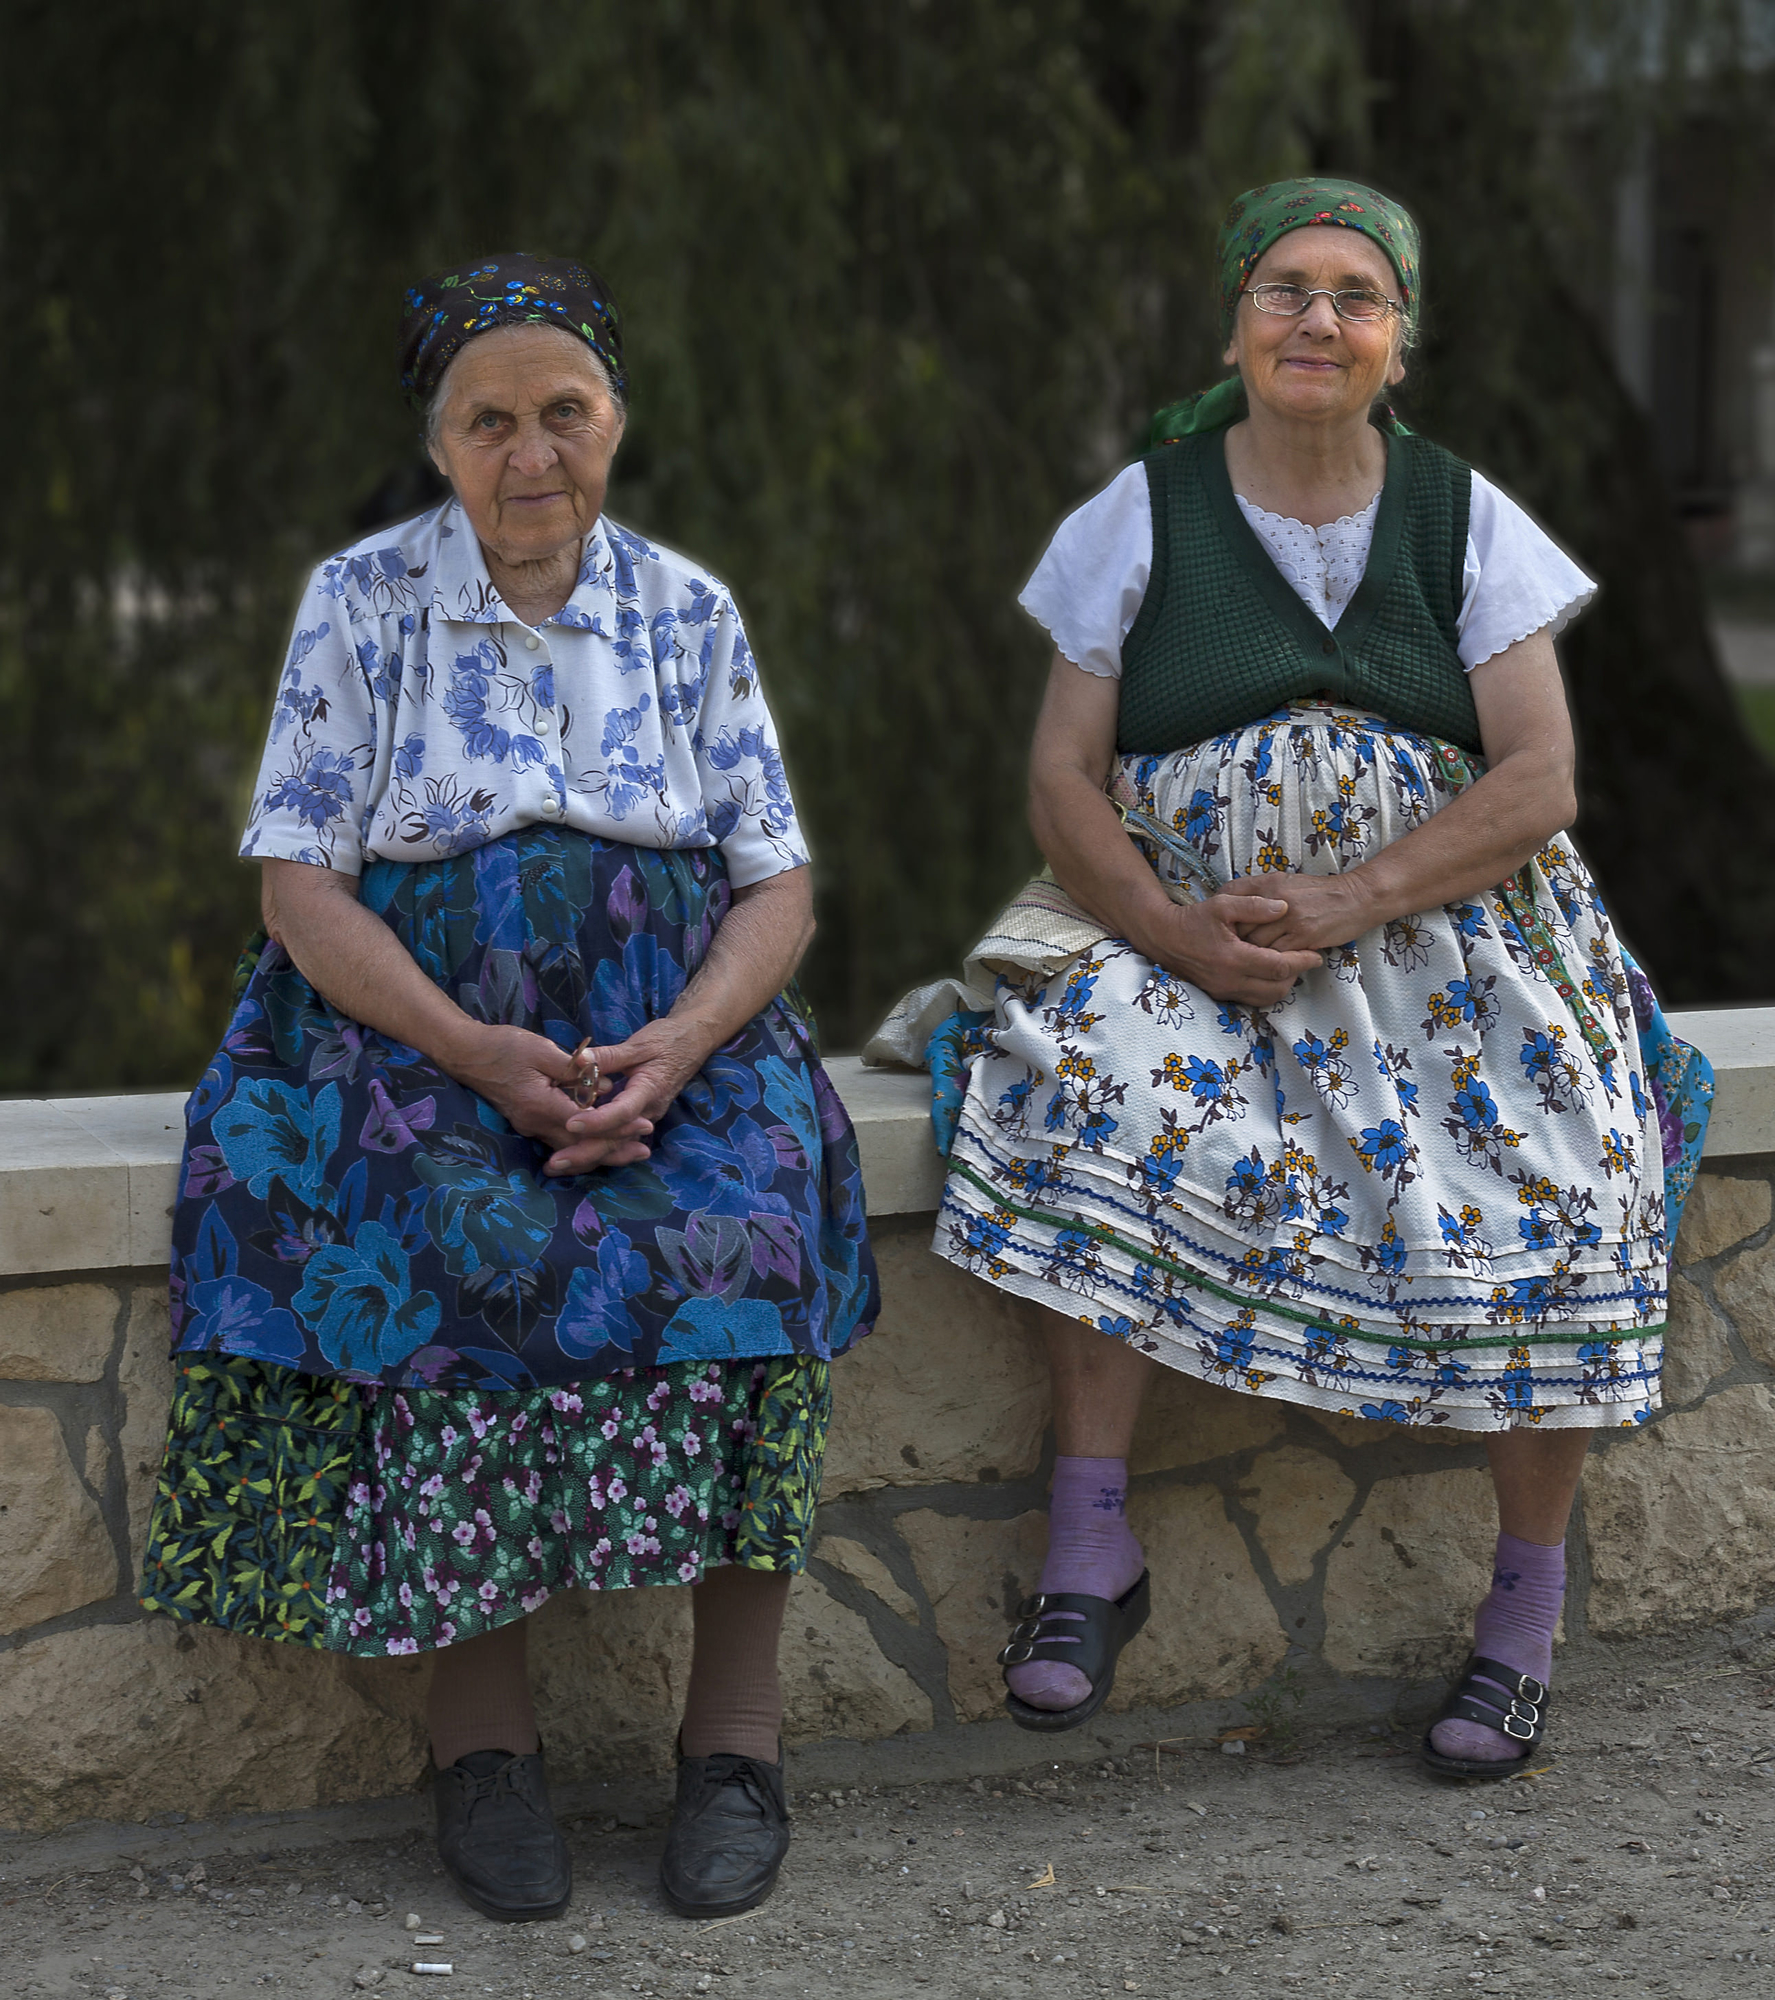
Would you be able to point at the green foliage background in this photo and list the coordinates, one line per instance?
(900, 282)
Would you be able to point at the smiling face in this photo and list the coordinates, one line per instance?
(525, 433)
(1319, 367)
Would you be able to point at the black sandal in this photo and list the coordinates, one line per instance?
(1094, 1639)
(1477, 1696)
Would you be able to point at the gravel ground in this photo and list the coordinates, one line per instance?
(1636, 1859)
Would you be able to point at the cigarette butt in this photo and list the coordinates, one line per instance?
(420, 1965)
(427, 1938)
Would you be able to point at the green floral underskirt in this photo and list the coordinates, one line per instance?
(373, 1521)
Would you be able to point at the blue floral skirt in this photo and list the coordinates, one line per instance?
(348, 1211)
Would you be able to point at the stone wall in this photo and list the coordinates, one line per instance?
(1349, 1551)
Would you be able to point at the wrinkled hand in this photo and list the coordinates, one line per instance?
(654, 1064)
(524, 1077)
(1209, 944)
(1323, 911)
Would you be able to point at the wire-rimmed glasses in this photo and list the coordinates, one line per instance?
(1290, 301)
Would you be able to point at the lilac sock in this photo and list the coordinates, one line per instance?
(1514, 1626)
(1091, 1553)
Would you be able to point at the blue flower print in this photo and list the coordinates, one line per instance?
(483, 1219)
(357, 1298)
(1384, 1148)
(244, 1319)
(317, 790)
(409, 759)
(270, 1131)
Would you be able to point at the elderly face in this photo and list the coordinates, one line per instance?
(1319, 367)
(525, 435)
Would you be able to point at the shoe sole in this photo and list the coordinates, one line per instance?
(736, 1908)
(1492, 1770)
(542, 1913)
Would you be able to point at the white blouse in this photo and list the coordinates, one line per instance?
(420, 717)
(1089, 585)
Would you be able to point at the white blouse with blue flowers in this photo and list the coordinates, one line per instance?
(419, 718)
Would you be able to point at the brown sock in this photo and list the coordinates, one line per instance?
(479, 1697)
(735, 1702)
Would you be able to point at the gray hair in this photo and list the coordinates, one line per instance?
(434, 410)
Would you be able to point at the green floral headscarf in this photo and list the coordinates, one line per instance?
(1260, 217)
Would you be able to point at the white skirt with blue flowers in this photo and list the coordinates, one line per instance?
(1428, 1187)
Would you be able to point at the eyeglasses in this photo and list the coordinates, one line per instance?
(1290, 301)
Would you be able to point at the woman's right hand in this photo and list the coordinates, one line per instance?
(1205, 943)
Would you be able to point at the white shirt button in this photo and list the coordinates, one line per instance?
(551, 805)
(532, 644)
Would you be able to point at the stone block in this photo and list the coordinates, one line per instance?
(56, 1554)
(1746, 1288)
(119, 1721)
(56, 1333)
(975, 1573)
(1213, 1631)
(1184, 1422)
(1696, 1346)
(836, 1680)
(869, 1570)
(1300, 1499)
(1681, 1517)
(1402, 1585)
(1721, 1210)
(952, 1385)
(145, 1377)
(609, 1670)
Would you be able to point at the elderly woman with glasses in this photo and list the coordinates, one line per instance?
(1330, 1084)
(518, 1222)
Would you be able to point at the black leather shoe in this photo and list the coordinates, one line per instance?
(729, 1833)
(497, 1837)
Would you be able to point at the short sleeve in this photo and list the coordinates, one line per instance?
(746, 798)
(1088, 588)
(1516, 579)
(311, 801)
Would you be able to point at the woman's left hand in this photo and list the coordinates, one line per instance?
(654, 1064)
(1324, 911)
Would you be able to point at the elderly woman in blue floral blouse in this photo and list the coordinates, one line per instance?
(518, 1221)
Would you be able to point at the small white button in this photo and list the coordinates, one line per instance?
(533, 644)
(551, 805)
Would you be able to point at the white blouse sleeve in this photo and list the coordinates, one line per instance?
(312, 800)
(1516, 579)
(1091, 581)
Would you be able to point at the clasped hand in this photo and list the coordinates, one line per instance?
(1252, 940)
(526, 1078)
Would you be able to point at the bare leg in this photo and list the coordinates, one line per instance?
(1535, 1475)
(479, 1697)
(1098, 1383)
(734, 1704)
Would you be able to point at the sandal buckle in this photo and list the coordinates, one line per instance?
(1030, 1628)
(1015, 1653)
(1524, 1683)
(1032, 1607)
(1520, 1734)
(1525, 1711)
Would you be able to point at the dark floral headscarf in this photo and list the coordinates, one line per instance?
(509, 288)
(1262, 215)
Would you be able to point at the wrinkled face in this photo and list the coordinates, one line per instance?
(526, 434)
(1319, 366)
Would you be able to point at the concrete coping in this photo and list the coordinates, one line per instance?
(87, 1183)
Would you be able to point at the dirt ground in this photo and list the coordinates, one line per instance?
(1636, 1859)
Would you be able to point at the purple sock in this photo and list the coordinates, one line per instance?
(1091, 1553)
(1514, 1626)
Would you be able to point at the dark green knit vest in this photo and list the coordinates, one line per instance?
(1221, 639)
